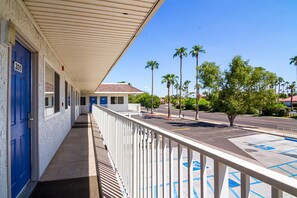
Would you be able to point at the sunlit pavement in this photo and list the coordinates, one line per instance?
(273, 152)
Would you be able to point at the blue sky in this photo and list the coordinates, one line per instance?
(263, 32)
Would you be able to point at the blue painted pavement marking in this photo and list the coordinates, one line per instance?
(234, 193)
(265, 147)
(196, 165)
(291, 139)
(289, 151)
(233, 184)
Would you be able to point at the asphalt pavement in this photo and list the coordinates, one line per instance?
(258, 121)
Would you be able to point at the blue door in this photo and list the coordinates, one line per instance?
(103, 101)
(20, 107)
(93, 100)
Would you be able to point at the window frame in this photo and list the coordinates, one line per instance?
(54, 103)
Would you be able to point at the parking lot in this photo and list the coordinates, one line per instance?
(273, 152)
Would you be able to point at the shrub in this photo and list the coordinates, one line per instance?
(204, 105)
(277, 109)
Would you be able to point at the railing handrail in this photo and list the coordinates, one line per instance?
(270, 177)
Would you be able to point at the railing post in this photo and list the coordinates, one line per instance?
(180, 170)
(152, 163)
(203, 176)
(164, 166)
(221, 188)
(276, 193)
(190, 173)
(245, 185)
(134, 167)
(170, 169)
(147, 161)
(157, 164)
(116, 139)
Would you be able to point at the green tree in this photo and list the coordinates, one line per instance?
(195, 53)
(152, 65)
(169, 79)
(241, 89)
(292, 88)
(185, 88)
(211, 79)
(280, 80)
(176, 86)
(293, 61)
(180, 52)
(232, 97)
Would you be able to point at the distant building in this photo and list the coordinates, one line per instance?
(113, 96)
(287, 101)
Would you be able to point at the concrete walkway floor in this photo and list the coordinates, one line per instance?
(73, 170)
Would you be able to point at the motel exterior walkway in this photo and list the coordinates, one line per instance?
(123, 157)
(80, 167)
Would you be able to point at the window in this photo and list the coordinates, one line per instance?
(69, 95)
(76, 98)
(49, 90)
(66, 95)
(82, 100)
(113, 100)
(57, 91)
(117, 100)
(121, 100)
(46, 101)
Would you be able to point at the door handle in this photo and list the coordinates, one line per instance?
(30, 118)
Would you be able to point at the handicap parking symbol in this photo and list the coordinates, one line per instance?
(265, 147)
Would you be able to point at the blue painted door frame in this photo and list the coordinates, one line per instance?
(93, 100)
(20, 107)
(103, 101)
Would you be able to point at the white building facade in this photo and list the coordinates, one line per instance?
(114, 96)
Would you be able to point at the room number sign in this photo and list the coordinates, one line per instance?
(18, 67)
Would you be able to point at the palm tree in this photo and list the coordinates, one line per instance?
(287, 86)
(180, 52)
(292, 88)
(294, 62)
(169, 79)
(186, 87)
(195, 53)
(279, 81)
(176, 86)
(153, 65)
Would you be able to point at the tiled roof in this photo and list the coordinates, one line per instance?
(289, 99)
(117, 88)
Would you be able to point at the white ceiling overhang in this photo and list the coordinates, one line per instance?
(90, 36)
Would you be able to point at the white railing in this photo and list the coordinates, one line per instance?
(118, 107)
(134, 107)
(153, 162)
(125, 107)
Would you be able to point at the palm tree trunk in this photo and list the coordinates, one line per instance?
(278, 92)
(169, 102)
(152, 90)
(291, 99)
(197, 90)
(180, 86)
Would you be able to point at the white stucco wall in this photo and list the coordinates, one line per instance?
(52, 130)
(3, 120)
